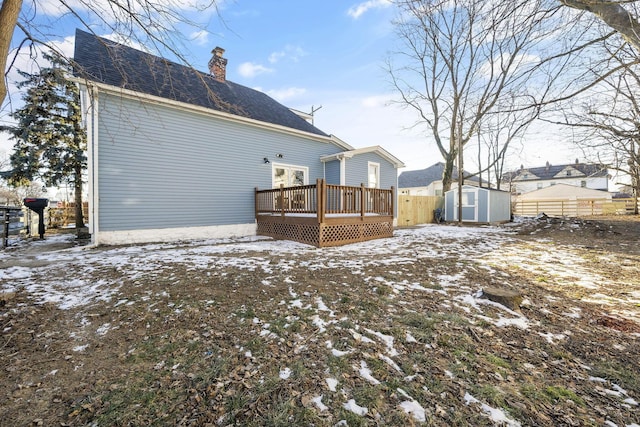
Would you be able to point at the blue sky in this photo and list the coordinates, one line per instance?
(326, 53)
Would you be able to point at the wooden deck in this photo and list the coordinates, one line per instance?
(324, 214)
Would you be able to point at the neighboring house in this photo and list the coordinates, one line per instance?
(482, 205)
(577, 174)
(175, 153)
(428, 182)
(565, 192)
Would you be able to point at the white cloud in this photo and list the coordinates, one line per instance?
(287, 93)
(250, 70)
(200, 38)
(290, 52)
(376, 101)
(361, 8)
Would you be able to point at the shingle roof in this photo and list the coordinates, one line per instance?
(550, 171)
(424, 177)
(104, 61)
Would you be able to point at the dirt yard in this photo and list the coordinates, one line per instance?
(392, 332)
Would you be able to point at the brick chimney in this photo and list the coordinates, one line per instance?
(218, 65)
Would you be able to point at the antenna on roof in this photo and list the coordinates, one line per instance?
(313, 110)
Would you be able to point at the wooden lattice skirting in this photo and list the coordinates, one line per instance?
(334, 232)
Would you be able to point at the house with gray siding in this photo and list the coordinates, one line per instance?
(175, 153)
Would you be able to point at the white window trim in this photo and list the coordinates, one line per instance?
(377, 165)
(305, 169)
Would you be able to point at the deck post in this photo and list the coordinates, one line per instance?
(321, 196)
(362, 198)
(255, 201)
(282, 200)
(393, 198)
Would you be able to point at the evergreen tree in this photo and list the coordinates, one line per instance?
(49, 139)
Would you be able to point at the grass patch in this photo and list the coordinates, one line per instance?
(419, 321)
(369, 396)
(498, 361)
(558, 393)
(489, 394)
(550, 394)
(625, 376)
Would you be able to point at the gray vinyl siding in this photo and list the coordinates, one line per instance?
(332, 172)
(483, 205)
(162, 167)
(500, 208)
(357, 169)
(449, 205)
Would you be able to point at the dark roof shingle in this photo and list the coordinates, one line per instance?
(104, 61)
(424, 177)
(550, 172)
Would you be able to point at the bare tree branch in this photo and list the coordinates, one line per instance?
(613, 14)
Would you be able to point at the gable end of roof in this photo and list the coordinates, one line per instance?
(103, 61)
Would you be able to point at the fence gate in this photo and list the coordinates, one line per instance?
(413, 210)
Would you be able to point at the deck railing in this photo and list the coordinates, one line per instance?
(321, 199)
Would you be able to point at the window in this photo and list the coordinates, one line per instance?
(438, 192)
(468, 198)
(583, 184)
(289, 175)
(539, 185)
(374, 175)
(568, 173)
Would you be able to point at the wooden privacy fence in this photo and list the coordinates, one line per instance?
(323, 214)
(579, 207)
(413, 210)
(64, 214)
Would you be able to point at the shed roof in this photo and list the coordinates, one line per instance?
(107, 62)
(424, 177)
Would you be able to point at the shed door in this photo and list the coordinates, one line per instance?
(469, 205)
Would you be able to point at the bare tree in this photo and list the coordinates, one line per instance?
(607, 121)
(9, 11)
(463, 60)
(152, 23)
(620, 15)
(496, 136)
